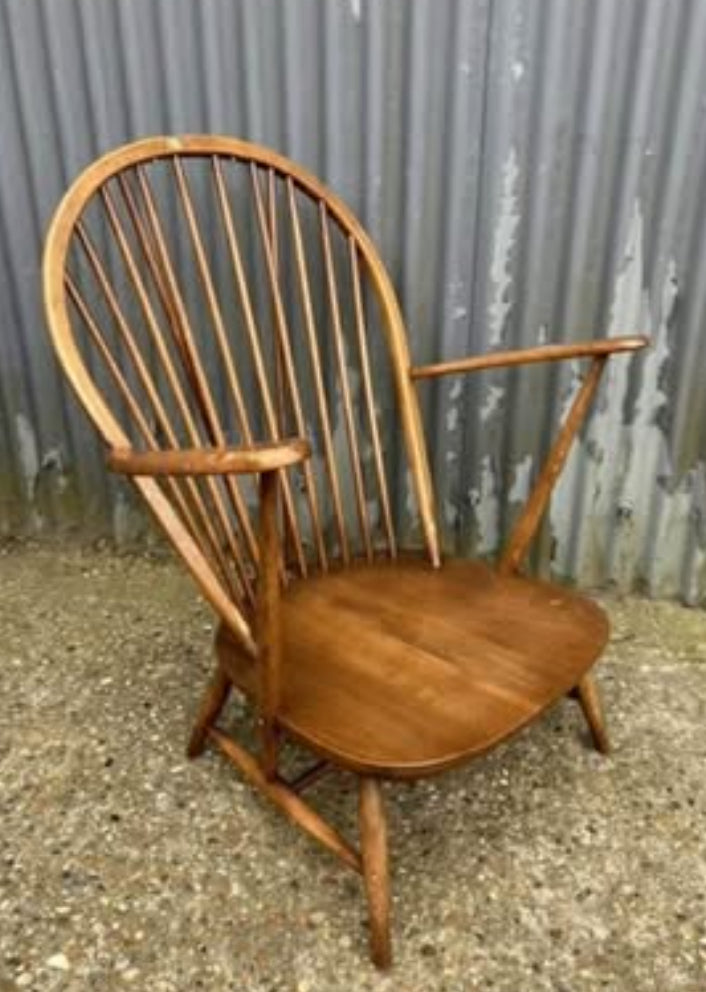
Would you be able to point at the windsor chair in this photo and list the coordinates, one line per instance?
(232, 333)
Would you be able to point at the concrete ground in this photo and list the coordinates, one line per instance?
(541, 867)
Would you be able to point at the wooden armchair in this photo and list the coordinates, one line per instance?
(224, 319)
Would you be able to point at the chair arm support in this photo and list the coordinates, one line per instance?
(530, 356)
(268, 622)
(266, 460)
(255, 459)
(531, 516)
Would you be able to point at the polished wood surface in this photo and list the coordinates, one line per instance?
(373, 847)
(254, 459)
(406, 670)
(531, 356)
(213, 701)
(288, 801)
(530, 518)
(590, 702)
(210, 523)
(378, 661)
(269, 625)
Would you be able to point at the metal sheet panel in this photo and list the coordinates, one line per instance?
(531, 170)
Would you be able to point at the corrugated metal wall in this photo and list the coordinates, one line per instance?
(531, 170)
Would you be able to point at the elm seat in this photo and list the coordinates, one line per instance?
(455, 661)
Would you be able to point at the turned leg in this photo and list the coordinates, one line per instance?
(373, 842)
(211, 705)
(587, 693)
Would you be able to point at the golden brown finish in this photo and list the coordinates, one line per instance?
(284, 351)
(322, 407)
(531, 356)
(344, 382)
(263, 457)
(206, 297)
(369, 400)
(530, 518)
(269, 624)
(373, 849)
(158, 406)
(590, 702)
(405, 670)
(212, 703)
(289, 802)
(253, 337)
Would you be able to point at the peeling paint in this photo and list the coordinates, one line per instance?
(410, 497)
(28, 453)
(486, 509)
(504, 237)
(614, 467)
(450, 513)
(522, 480)
(594, 465)
(492, 402)
(630, 508)
(452, 418)
(456, 390)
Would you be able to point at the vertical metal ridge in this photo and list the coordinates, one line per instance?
(528, 171)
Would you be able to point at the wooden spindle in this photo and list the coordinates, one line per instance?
(212, 301)
(163, 352)
(126, 393)
(370, 399)
(288, 363)
(280, 392)
(152, 394)
(315, 359)
(151, 255)
(254, 341)
(353, 448)
(213, 423)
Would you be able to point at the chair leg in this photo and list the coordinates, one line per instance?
(213, 701)
(373, 842)
(590, 702)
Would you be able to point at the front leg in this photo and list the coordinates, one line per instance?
(213, 701)
(373, 844)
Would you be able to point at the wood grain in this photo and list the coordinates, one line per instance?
(269, 624)
(261, 457)
(394, 667)
(213, 701)
(526, 526)
(404, 670)
(530, 356)
(295, 808)
(590, 702)
(373, 846)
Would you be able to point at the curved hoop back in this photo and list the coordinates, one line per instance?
(204, 291)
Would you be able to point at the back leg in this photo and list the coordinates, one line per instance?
(213, 701)
(587, 694)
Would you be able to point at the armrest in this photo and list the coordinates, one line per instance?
(529, 356)
(257, 458)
